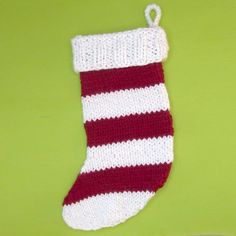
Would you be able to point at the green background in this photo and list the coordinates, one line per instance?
(43, 143)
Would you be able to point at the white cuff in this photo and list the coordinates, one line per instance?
(123, 49)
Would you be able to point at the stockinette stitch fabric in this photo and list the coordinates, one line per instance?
(127, 121)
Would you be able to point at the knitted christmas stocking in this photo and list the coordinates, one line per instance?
(127, 122)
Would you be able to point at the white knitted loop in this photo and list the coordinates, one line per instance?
(157, 9)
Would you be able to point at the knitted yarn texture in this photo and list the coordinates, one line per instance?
(128, 124)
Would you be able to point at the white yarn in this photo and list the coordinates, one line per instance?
(125, 102)
(157, 9)
(123, 49)
(130, 153)
(104, 210)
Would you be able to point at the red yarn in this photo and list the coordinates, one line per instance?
(137, 178)
(102, 81)
(142, 126)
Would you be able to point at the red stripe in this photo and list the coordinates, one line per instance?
(142, 126)
(94, 82)
(137, 178)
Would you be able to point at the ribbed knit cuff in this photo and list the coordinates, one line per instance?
(118, 50)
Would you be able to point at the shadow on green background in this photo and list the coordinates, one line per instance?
(42, 138)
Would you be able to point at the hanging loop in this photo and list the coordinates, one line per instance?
(157, 9)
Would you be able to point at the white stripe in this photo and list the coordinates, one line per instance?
(131, 153)
(104, 210)
(125, 102)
